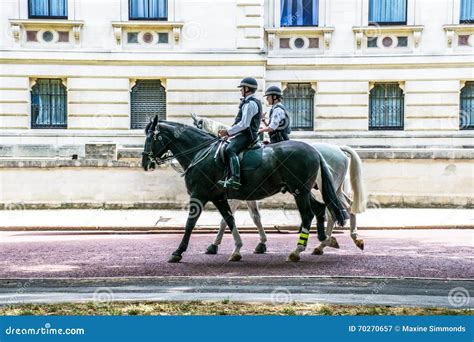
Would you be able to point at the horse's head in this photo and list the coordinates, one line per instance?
(155, 145)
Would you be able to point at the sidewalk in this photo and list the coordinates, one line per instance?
(165, 220)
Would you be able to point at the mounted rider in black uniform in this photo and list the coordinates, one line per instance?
(244, 131)
(278, 127)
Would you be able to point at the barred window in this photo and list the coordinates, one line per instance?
(386, 105)
(299, 13)
(47, 9)
(388, 12)
(299, 101)
(466, 115)
(148, 98)
(48, 104)
(467, 12)
(148, 9)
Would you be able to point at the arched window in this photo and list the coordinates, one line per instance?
(48, 104)
(148, 98)
(299, 101)
(466, 117)
(386, 104)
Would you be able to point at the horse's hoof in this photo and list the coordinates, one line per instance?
(235, 257)
(359, 243)
(175, 258)
(261, 248)
(333, 242)
(294, 257)
(318, 251)
(212, 249)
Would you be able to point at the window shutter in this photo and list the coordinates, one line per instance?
(299, 101)
(386, 105)
(466, 117)
(48, 104)
(148, 98)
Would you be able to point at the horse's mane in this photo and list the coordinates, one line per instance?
(190, 130)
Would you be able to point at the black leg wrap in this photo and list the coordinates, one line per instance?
(321, 230)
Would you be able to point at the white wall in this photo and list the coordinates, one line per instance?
(221, 42)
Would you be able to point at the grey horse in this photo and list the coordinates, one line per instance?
(341, 160)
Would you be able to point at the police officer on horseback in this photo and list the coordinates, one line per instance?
(278, 127)
(244, 131)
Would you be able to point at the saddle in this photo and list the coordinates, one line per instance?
(250, 158)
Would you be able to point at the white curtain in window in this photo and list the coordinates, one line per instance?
(299, 12)
(387, 11)
(149, 9)
(467, 11)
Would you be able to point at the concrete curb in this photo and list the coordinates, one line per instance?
(212, 229)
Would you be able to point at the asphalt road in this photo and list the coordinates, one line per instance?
(277, 290)
(396, 267)
(390, 253)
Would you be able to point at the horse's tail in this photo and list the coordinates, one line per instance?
(359, 203)
(328, 191)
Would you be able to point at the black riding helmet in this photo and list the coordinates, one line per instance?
(273, 90)
(249, 82)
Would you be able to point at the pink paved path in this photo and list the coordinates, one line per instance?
(398, 253)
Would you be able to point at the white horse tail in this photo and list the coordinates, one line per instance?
(359, 203)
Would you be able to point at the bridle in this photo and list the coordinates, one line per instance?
(158, 161)
(149, 152)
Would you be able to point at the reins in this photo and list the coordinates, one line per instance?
(160, 161)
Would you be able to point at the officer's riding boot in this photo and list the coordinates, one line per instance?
(234, 181)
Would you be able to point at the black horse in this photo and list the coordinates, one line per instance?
(288, 166)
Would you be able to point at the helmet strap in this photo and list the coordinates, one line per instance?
(247, 91)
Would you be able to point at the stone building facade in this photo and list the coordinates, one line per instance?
(106, 68)
(373, 74)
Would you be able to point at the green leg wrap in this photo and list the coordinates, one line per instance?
(304, 236)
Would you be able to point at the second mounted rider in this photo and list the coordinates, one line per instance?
(278, 127)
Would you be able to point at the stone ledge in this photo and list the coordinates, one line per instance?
(416, 154)
(131, 158)
(374, 202)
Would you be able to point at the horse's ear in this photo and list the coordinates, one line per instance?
(155, 121)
